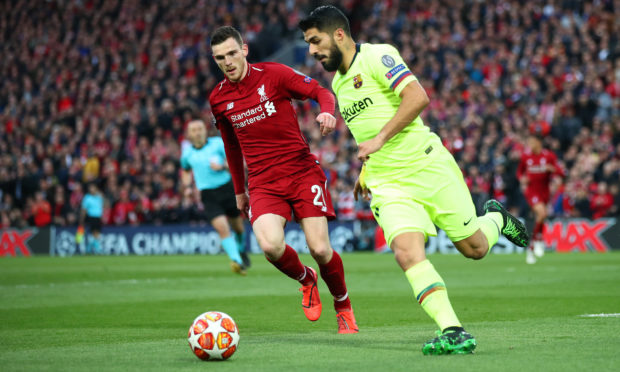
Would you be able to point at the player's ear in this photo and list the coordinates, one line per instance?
(339, 35)
(245, 50)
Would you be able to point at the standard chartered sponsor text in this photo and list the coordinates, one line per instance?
(257, 111)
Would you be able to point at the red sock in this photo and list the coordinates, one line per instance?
(290, 265)
(333, 274)
(538, 230)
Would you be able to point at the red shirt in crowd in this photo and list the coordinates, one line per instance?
(42, 213)
(257, 121)
(121, 211)
(600, 204)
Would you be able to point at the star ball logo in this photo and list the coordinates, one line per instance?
(388, 61)
(357, 81)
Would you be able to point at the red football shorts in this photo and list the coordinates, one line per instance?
(301, 195)
(534, 196)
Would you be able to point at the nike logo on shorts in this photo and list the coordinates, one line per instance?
(468, 221)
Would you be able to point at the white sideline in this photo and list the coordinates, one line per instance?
(602, 315)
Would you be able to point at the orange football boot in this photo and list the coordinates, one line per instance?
(346, 322)
(311, 301)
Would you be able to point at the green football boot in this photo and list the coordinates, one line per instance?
(450, 342)
(514, 230)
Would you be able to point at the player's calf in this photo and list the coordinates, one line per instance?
(474, 247)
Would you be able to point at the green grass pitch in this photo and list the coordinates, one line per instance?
(133, 313)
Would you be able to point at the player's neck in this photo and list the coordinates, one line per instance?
(349, 50)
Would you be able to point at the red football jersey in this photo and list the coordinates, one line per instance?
(539, 168)
(257, 121)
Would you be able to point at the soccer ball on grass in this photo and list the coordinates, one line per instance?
(213, 335)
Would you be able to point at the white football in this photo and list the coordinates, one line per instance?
(213, 335)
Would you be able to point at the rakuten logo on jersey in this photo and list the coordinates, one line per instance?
(352, 111)
(253, 115)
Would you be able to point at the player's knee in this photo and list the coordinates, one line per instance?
(270, 246)
(474, 247)
(407, 256)
(476, 253)
(320, 252)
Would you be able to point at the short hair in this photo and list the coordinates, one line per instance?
(326, 18)
(224, 33)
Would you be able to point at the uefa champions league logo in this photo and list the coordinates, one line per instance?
(65, 244)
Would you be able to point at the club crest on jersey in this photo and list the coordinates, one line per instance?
(230, 105)
(262, 94)
(357, 81)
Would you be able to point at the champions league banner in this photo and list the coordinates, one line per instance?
(180, 239)
(564, 236)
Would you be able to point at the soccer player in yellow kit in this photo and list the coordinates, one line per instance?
(414, 181)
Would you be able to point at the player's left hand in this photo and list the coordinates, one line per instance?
(369, 147)
(327, 123)
(362, 190)
(216, 166)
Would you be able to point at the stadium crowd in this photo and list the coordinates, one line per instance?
(100, 91)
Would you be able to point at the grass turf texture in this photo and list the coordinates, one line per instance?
(133, 313)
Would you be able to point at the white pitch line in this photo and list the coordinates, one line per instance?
(602, 315)
(87, 283)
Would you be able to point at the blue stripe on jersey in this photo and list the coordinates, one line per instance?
(400, 78)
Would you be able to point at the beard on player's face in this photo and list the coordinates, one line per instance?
(234, 70)
(333, 60)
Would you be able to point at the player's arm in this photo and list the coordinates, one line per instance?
(186, 172)
(555, 168)
(388, 69)
(234, 158)
(186, 178)
(360, 186)
(215, 163)
(303, 87)
(413, 101)
(82, 211)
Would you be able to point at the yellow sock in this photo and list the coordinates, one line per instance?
(430, 291)
(491, 224)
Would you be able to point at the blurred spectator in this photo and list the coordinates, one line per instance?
(62, 213)
(601, 202)
(41, 210)
(123, 212)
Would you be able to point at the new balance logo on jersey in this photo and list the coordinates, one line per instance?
(270, 108)
(230, 106)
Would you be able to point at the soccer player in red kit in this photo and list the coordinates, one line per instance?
(535, 171)
(252, 108)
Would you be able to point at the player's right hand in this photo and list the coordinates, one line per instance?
(327, 123)
(362, 190)
(243, 203)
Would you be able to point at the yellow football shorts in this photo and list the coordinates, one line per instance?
(417, 201)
